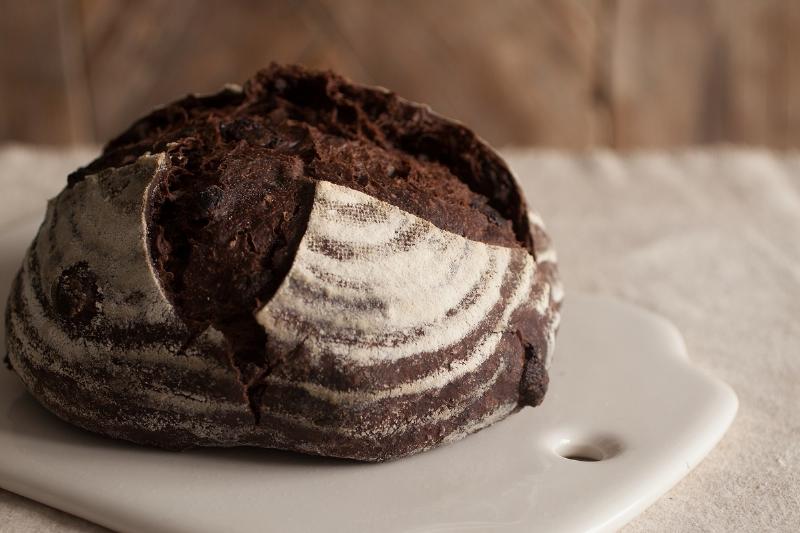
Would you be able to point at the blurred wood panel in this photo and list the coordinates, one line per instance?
(518, 74)
(792, 135)
(689, 72)
(42, 85)
(560, 73)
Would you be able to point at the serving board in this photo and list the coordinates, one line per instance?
(627, 416)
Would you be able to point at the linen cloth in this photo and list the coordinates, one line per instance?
(708, 238)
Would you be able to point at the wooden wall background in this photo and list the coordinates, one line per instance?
(561, 73)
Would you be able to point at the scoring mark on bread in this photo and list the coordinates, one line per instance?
(434, 300)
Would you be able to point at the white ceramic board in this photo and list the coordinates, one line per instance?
(622, 391)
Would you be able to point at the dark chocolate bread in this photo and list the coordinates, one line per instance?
(304, 264)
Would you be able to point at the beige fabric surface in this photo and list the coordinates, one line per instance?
(710, 239)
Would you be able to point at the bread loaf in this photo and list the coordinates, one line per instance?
(302, 263)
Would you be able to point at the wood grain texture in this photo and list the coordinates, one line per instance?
(694, 72)
(42, 85)
(571, 74)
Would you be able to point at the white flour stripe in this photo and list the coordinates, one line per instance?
(60, 346)
(548, 255)
(388, 428)
(485, 421)
(535, 219)
(439, 378)
(414, 290)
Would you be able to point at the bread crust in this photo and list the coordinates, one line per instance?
(386, 334)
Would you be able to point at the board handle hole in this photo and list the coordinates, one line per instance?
(581, 452)
(589, 449)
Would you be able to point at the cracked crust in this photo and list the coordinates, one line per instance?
(180, 316)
